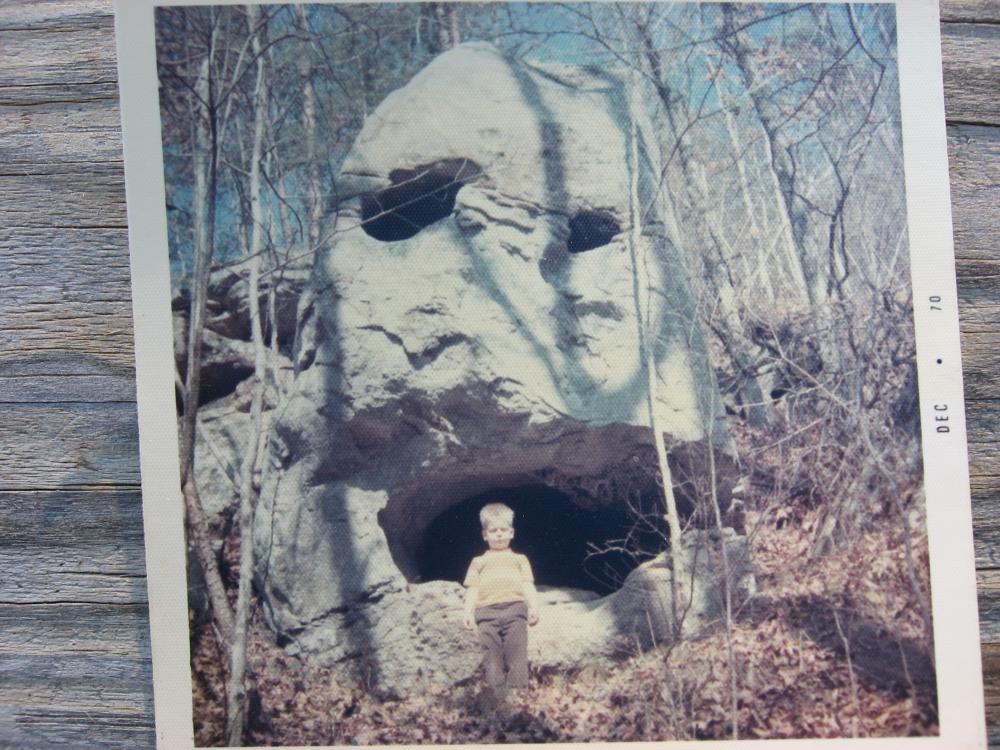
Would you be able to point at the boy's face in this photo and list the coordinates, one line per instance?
(498, 535)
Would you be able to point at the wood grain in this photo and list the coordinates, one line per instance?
(74, 643)
(970, 71)
(974, 164)
(69, 445)
(100, 563)
(971, 11)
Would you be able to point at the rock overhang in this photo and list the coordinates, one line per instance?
(569, 542)
(591, 468)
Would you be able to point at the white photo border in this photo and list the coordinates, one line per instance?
(945, 461)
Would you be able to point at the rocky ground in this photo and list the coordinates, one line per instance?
(829, 647)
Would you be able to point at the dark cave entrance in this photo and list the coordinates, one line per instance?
(591, 229)
(416, 199)
(219, 380)
(568, 545)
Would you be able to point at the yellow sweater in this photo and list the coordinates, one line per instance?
(500, 576)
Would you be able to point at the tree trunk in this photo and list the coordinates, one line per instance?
(206, 179)
(641, 296)
(727, 581)
(236, 692)
(446, 20)
(453, 25)
(782, 178)
(309, 120)
(200, 539)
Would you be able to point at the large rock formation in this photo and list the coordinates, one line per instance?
(470, 332)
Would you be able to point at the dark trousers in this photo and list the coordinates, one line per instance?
(503, 636)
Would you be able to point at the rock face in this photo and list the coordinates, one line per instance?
(470, 333)
(227, 355)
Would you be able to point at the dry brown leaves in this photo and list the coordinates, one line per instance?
(793, 678)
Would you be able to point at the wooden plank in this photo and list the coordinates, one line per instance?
(978, 298)
(974, 165)
(28, 96)
(37, 262)
(55, 14)
(86, 680)
(72, 547)
(986, 521)
(83, 132)
(988, 489)
(61, 586)
(66, 388)
(986, 536)
(971, 72)
(75, 700)
(981, 371)
(81, 53)
(62, 655)
(72, 672)
(983, 425)
(983, 429)
(74, 675)
(68, 629)
(67, 301)
(985, 489)
(991, 672)
(57, 51)
(972, 11)
(69, 672)
(70, 446)
(988, 584)
(84, 196)
(56, 377)
(44, 726)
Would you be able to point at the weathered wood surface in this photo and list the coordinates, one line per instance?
(74, 643)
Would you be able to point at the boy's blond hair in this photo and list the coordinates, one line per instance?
(496, 513)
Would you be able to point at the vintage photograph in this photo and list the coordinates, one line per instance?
(545, 372)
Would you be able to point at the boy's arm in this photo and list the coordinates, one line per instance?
(471, 584)
(531, 599)
(530, 594)
(469, 612)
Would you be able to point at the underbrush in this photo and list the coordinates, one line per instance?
(830, 646)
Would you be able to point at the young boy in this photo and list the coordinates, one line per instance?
(501, 602)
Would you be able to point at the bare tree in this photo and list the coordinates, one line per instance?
(236, 693)
(309, 117)
(198, 81)
(641, 289)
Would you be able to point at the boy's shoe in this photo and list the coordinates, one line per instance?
(492, 700)
(504, 710)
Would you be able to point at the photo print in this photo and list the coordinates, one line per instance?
(637, 278)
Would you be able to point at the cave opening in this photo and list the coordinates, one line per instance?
(568, 545)
(416, 199)
(220, 380)
(591, 229)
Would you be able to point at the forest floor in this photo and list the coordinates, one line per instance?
(831, 645)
